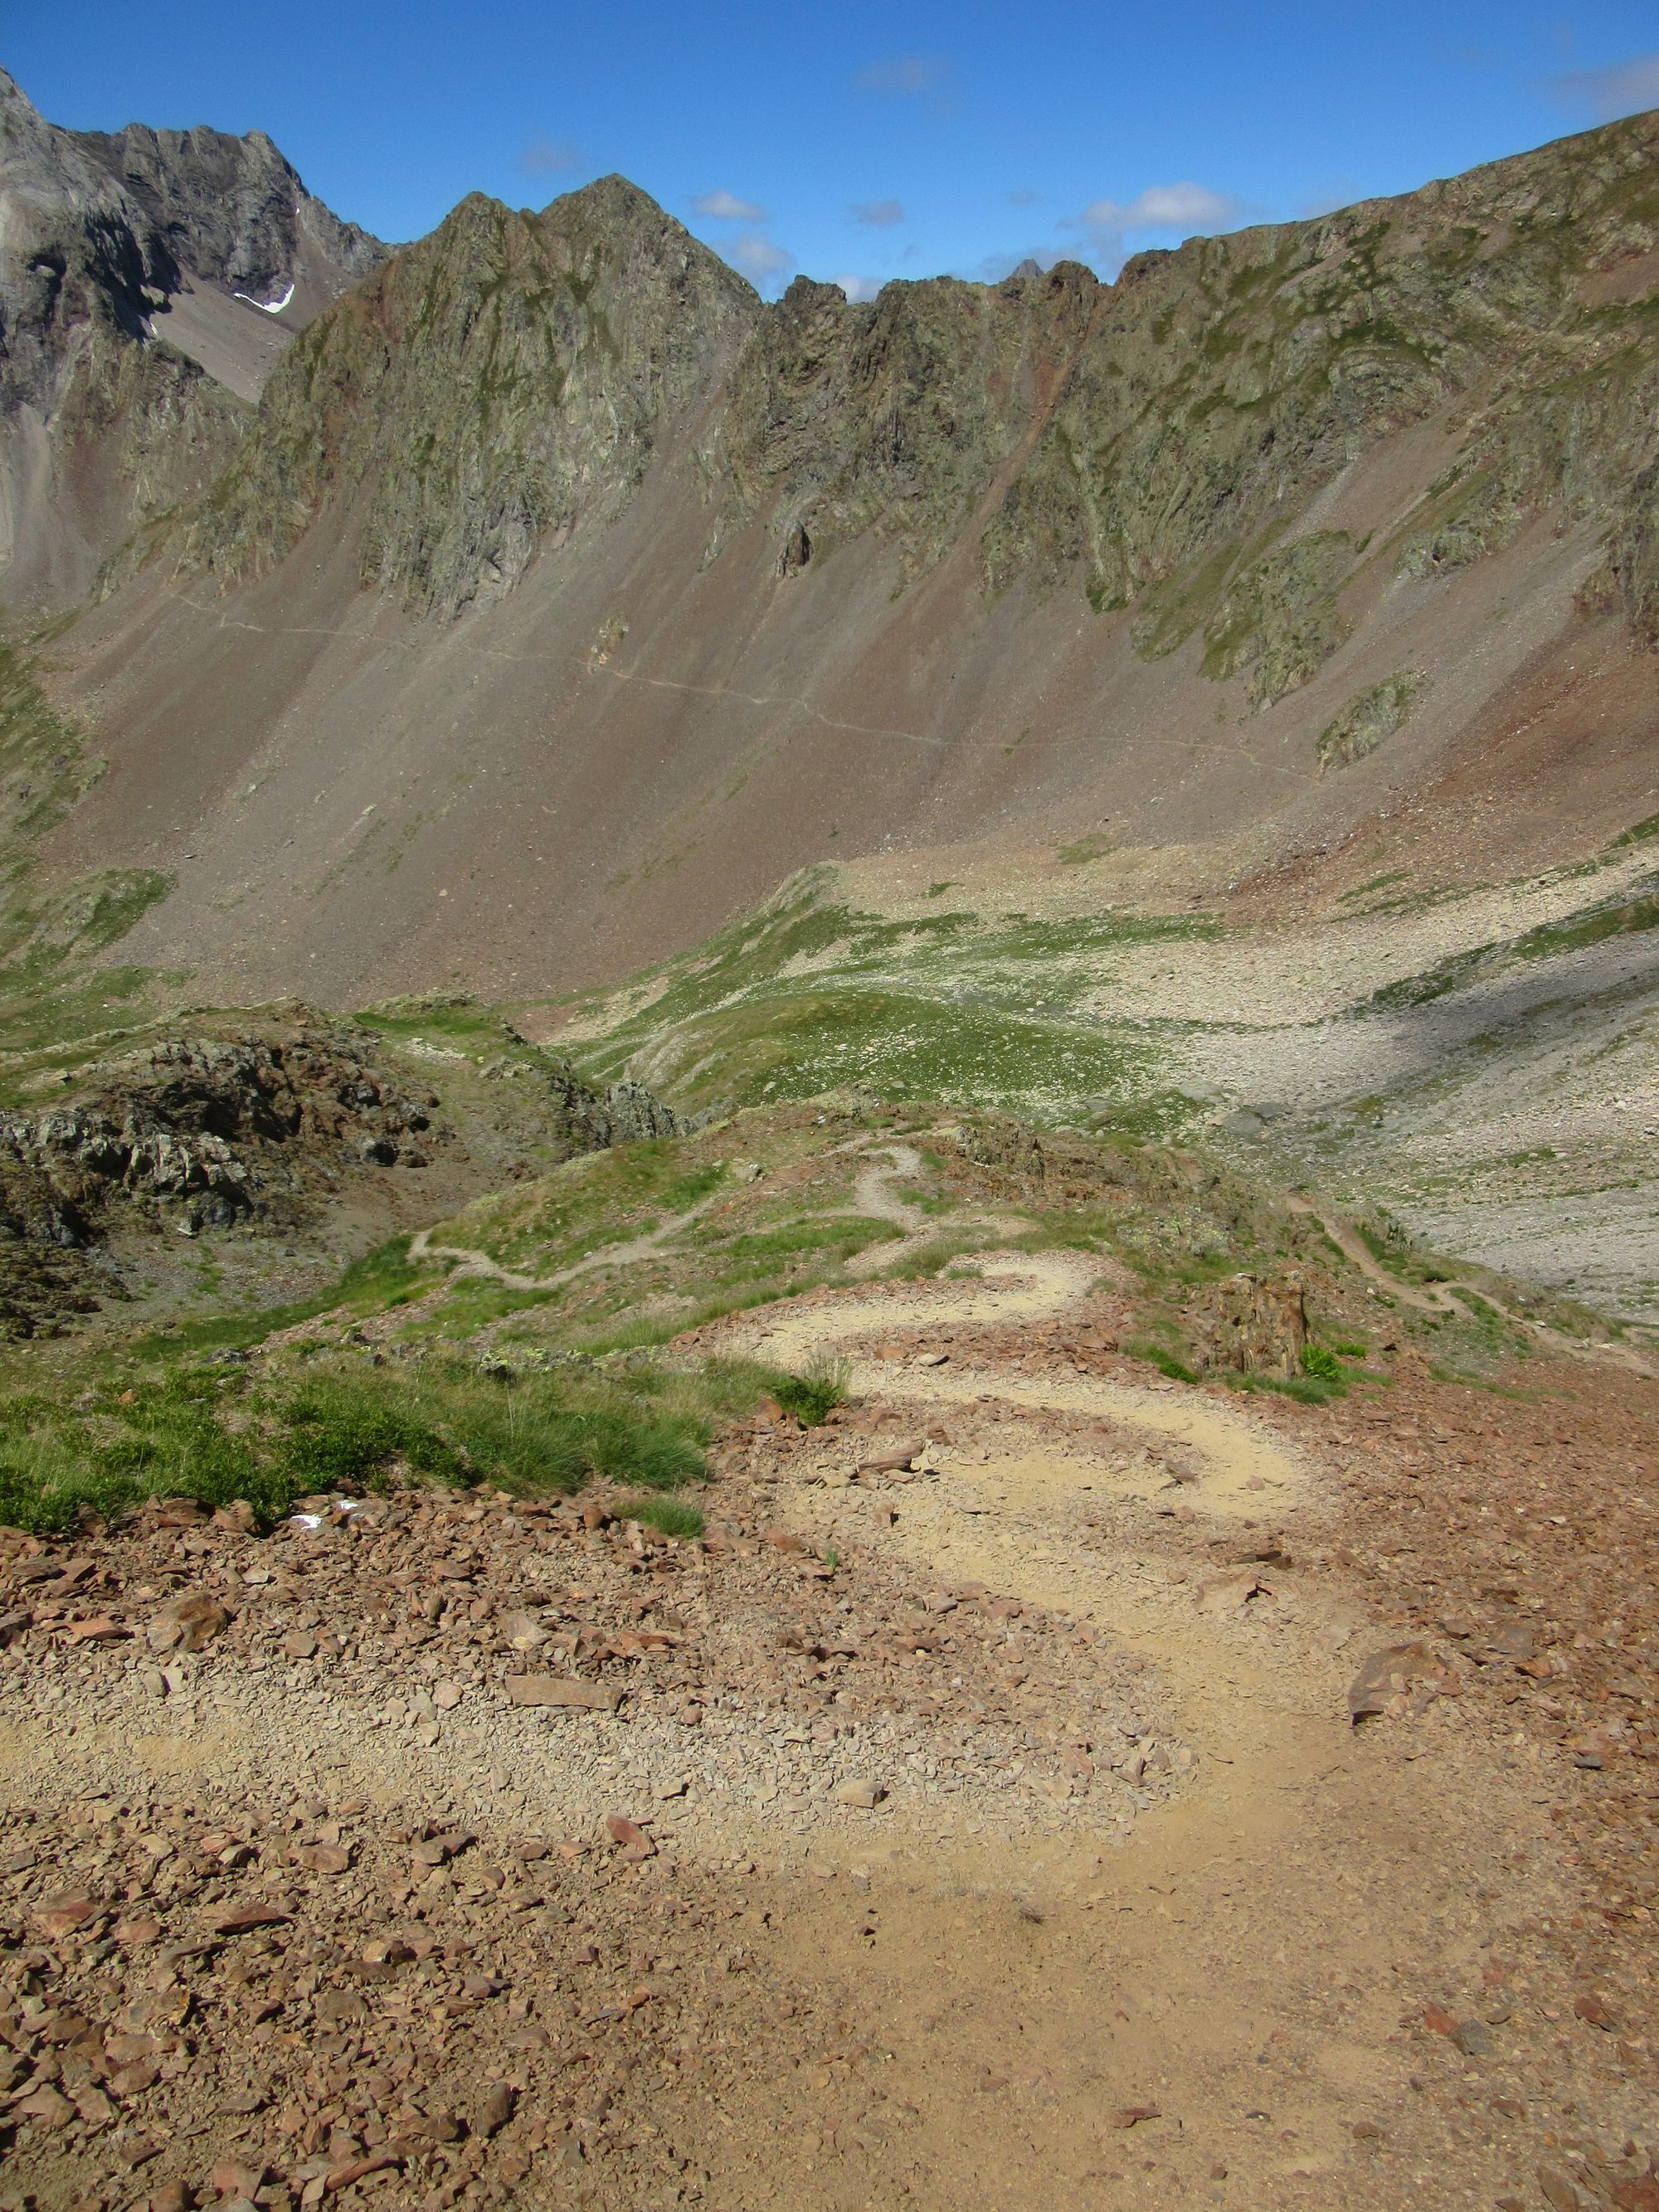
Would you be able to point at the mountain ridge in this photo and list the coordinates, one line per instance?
(560, 598)
(135, 328)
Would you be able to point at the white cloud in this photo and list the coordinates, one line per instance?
(904, 73)
(912, 77)
(1181, 208)
(878, 215)
(1626, 89)
(760, 257)
(859, 287)
(550, 156)
(726, 207)
(1161, 207)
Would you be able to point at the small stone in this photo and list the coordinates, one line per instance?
(496, 2109)
(1558, 2190)
(46, 2108)
(446, 1696)
(154, 1680)
(238, 1919)
(1473, 2038)
(1131, 2116)
(562, 1689)
(1230, 1592)
(891, 1461)
(1380, 1686)
(864, 1792)
(323, 1858)
(98, 1629)
(188, 1623)
(63, 1914)
(229, 2178)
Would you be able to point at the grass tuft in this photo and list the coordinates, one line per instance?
(201, 1432)
(810, 1397)
(668, 1516)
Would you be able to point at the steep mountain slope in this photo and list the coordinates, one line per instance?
(490, 386)
(149, 281)
(564, 598)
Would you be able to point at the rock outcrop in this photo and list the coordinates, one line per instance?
(1154, 439)
(495, 384)
(261, 1126)
(136, 271)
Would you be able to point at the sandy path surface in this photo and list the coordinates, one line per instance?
(1239, 1963)
(1216, 1997)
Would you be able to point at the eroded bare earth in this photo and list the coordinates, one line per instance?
(1137, 1913)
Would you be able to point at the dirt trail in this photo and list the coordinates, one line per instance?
(471, 1261)
(1209, 1990)
(1234, 1964)
(874, 1198)
(1444, 1298)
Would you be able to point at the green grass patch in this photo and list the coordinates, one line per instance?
(668, 1516)
(810, 1397)
(1376, 883)
(1156, 1355)
(345, 1427)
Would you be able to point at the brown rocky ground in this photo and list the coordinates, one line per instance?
(316, 1912)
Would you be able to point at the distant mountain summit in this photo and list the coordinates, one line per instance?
(560, 595)
(149, 280)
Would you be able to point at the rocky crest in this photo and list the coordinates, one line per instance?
(226, 210)
(106, 419)
(198, 1133)
(1157, 439)
(492, 387)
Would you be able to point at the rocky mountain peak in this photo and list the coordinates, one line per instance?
(149, 281)
(230, 208)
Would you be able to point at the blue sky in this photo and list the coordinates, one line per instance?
(861, 142)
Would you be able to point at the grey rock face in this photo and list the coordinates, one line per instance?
(121, 258)
(226, 210)
(74, 250)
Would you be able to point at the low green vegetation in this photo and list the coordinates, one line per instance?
(1368, 720)
(341, 1426)
(668, 1516)
(809, 996)
(1621, 915)
(1279, 618)
(812, 1397)
(377, 1281)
